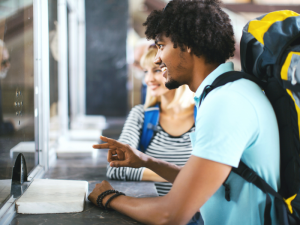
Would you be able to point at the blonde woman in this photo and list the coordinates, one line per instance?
(171, 141)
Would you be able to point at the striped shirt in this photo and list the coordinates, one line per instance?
(176, 150)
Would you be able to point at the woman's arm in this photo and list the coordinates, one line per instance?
(149, 175)
(124, 173)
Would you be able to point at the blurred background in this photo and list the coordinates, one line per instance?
(70, 72)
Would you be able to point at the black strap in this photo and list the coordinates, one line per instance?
(251, 176)
(267, 212)
(229, 77)
(293, 87)
(227, 191)
(207, 89)
(236, 75)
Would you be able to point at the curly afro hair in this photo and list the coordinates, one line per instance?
(199, 24)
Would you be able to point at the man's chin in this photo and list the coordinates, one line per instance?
(172, 84)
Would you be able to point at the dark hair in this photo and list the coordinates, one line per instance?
(198, 24)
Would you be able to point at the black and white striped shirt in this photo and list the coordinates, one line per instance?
(163, 146)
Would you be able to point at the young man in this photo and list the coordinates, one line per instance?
(234, 122)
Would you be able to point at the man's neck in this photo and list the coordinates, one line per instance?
(200, 71)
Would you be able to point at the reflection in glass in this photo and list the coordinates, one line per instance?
(53, 73)
(16, 89)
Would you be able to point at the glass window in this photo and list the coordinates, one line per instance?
(53, 74)
(17, 134)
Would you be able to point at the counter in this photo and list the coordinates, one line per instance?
(94, 172)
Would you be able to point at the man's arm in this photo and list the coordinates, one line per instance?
(123, 155)
(198, 180)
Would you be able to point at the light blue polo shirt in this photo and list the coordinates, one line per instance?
(237, 122)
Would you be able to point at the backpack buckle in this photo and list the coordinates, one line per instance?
(249, 175)
(152, 126)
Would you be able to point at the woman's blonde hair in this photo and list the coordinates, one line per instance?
(184, 97)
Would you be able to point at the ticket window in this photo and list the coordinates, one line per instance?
(21, 82)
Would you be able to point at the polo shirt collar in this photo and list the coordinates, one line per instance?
(222, 68)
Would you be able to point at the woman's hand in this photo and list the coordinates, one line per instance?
(100, 188)
(122, 155)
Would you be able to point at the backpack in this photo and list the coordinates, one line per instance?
(151, 119)
(270, 57)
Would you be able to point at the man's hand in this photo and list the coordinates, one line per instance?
(100, 188)
(122, 155)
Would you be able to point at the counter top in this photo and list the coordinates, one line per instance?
(93, 172)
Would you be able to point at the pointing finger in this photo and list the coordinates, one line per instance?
(101, 146)
(112, 142)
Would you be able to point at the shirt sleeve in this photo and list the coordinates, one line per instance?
(131, 133)
(124, 173)
(226, 125)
